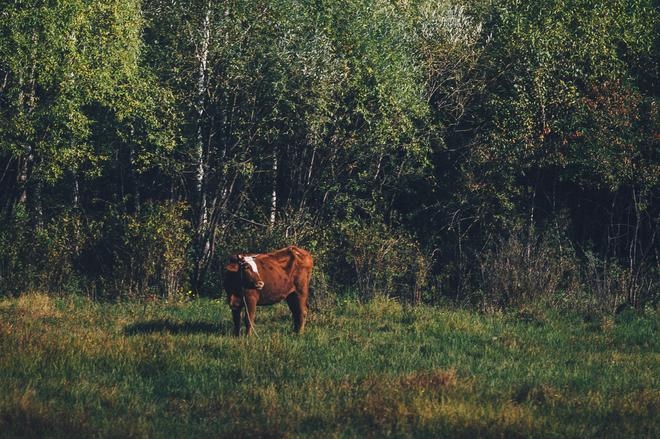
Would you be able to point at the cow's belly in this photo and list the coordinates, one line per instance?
(270, 298)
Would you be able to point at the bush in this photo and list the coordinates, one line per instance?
(134, 254)
(40, 257)
(375, 259)
(156, 243)
(119, 254)
(531, 269)
(59, 244)
(524, 268)
(610, 285)
(16, 273)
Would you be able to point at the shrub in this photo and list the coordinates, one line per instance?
(610, 285)
(157, 241)
(59, 243)
(136, 254)
(40, 256)
(15, 245)
(374, 259)
(524, 268)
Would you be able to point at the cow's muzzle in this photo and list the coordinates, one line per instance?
(259, 285)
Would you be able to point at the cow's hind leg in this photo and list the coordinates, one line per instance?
(303, 310)
(297, 311)
(302, 292)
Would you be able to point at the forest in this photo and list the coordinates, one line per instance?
(483, 153)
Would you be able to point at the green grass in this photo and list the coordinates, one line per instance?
(71, 367)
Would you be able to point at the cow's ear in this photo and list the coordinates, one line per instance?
(233, 267)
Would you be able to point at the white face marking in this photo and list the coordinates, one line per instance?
(253, 264)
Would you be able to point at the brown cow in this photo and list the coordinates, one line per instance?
(265, 279)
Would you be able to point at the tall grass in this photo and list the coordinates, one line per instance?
(75, 368)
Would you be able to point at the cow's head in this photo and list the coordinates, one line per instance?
(246, 267)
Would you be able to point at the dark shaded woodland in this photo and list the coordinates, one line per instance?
(484, 152)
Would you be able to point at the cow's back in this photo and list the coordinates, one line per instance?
(283, 272)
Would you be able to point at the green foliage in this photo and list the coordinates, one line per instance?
(59, 62)
(566, 100)
(407, 144)
(42, 258)
(75, 367)
(15, 246)
(148, 254)
(374, 260)
(157, 241)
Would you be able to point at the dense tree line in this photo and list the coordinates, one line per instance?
(485, 151)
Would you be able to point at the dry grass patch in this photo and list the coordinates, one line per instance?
(32, 306)
(643, 403)
(433, 380)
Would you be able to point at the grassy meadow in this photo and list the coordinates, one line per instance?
(75, 368)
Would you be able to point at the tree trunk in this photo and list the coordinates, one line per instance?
(202, 245)
(37, 202)
(273, 197)
(134, 181)
(26, 103)
(202, 88)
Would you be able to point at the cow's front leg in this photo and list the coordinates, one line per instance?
(236, 304)
(236, 316)
(251, 300)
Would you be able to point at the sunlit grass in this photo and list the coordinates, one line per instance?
(72, 367)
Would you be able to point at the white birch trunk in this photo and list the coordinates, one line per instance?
(202, 244)
(202, 84)
(273, 197)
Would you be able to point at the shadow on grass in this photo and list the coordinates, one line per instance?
(28, 419)
(174, 327)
